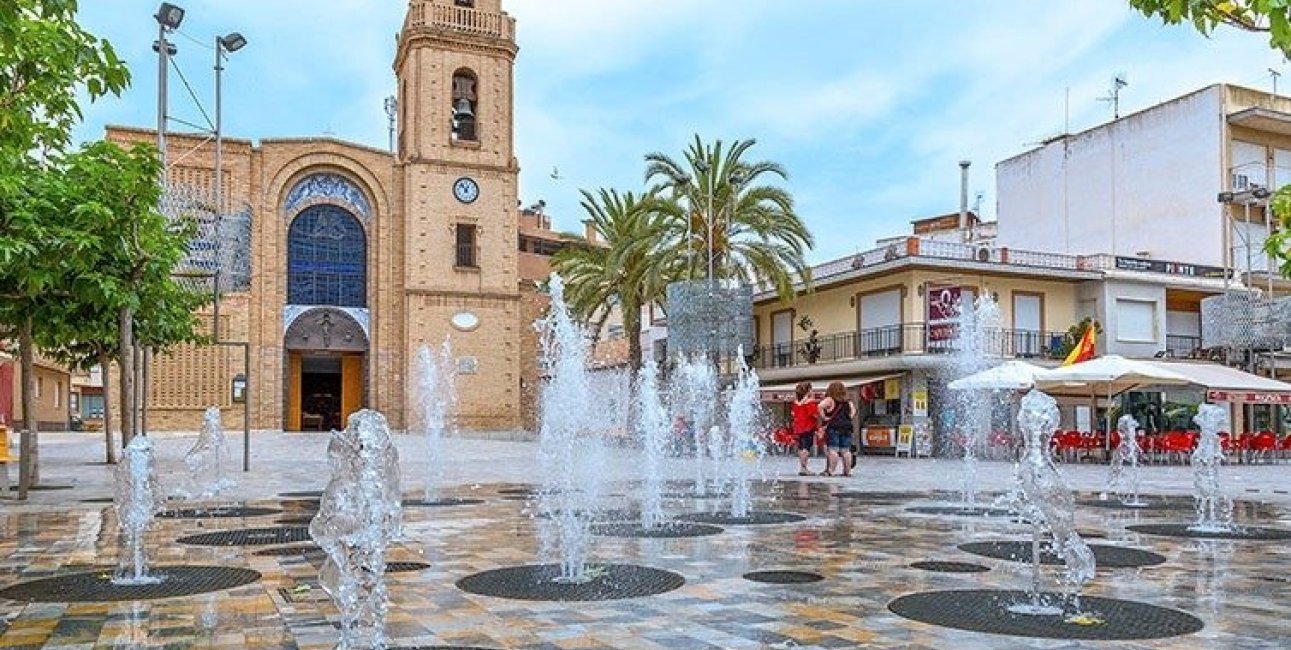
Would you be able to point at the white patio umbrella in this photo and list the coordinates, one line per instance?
(1010, 375)
(1110, 375)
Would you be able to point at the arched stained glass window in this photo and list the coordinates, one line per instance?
(326, 259)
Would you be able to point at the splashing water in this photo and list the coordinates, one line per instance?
(1214, 507)
(1045, 500)
(652, 425)
(435, 407)
(359, 514)
(747, 447)
(976, 348)
(138, 498)
(1127, 453)
(570, 457)
(206, 460)
(694, 388)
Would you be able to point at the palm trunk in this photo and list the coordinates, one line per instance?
(107, 408)
(27, 443)
(126, 325)
(632, 326)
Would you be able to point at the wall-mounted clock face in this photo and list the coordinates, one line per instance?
(466, 190)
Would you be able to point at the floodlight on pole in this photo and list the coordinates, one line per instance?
(169, 16)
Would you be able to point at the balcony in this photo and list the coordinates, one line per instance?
(461, 20)
(903, 339)
(1182, 347)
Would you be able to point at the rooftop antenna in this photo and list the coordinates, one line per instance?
(555, 174)
(1275, 74)
(977, 203)
(1114, 94)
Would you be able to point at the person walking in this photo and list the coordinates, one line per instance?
(805, 413)
(837, 412)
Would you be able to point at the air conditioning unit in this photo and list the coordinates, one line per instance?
(1241, 182)
(983, 254)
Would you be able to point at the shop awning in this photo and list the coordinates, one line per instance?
(1225, 384)
(784, 392)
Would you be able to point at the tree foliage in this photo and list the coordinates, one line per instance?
(717, 202)
(1272, 17)
(626, 267)
(45, 58)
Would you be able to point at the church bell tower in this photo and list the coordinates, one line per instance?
(457, 178)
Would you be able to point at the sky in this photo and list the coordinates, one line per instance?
(869, 104)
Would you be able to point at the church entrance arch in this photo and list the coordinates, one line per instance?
(326, 350)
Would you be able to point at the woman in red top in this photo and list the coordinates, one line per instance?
(806, 421)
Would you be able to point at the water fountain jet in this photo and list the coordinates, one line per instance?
(359, 515)
(138, 498)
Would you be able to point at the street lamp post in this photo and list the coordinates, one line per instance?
(223, 45)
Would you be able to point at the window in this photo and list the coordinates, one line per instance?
(326, 258)
(1136, 320)
(879, 321)
(1028, 324)
(469, 4)
(58, 394)
(40, 386)
(466, 246)
(782, 338)
(465, 108)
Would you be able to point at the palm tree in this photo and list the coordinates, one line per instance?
(753, 235)
(622, 268)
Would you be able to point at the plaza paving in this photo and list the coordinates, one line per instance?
(861, 546)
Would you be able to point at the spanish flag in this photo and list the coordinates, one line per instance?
(1084, 350)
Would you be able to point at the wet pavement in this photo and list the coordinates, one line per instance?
(857, 533)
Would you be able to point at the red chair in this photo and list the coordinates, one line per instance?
(1284, 446)
(1264, 445)
(1242, 446)
(1177, 445)
(1066, 443)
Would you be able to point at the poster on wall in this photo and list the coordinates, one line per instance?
(919, 398)
(943, 312)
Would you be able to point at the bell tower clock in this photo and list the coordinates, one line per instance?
(457, 178)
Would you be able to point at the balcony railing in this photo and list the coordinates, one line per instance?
(904, 339)
(1182, 347)
(460, 19)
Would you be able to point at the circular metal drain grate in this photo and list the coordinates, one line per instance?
(98, 500)
(42, 488)
(295, 520)
(1249, 533)
(442, 502)
(949, 567)
(406, 567)
(784, 577)
(692, 495)
(607, 515)
(249, 537)
(97, 587)
(303, 494)
(216, 513)
(962, 511)
(666, 530)
(287, 551)
(1147, 504)
(520, 491)
(538, 582)
(301, 504)
(438, 647)
(987, 611)
(754, 518)
(1109, 557)
(517, 497)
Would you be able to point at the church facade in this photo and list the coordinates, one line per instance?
(356, 257)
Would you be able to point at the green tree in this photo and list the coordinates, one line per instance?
(719, 204)
(1272, 17)
(46, 59)
(624, 267)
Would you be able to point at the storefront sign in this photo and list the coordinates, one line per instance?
(1248, 398)
(1169, 268)
(919, 406)
(905, 439)
(878, 436)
